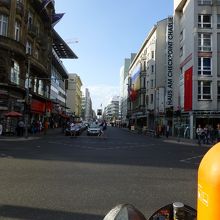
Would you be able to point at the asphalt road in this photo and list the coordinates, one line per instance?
(59, 177)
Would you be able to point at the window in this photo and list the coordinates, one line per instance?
(205, 66)
(17, 30)
(218, 21)
(35, 84)
(152, 69)
(15, 72)
(152, 54)
(28, 48)
(204, 90)
(181, 35)
(36, 53)
(217, 2)
(151, 98)
(218, 90)
(204, 42)
(3, 25)
(30, 19)
(152, 84)
(205, 2)
(204, 21)
(181, 51)
(41, 88)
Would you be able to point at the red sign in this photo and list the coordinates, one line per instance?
(188, 89)
(37, 106)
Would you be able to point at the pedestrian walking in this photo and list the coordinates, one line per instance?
(167, 130)
(21, 128)
(72, 129)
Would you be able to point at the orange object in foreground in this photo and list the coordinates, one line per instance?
(208, 201)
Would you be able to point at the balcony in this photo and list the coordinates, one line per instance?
(13, 45)
(143, 90)
(32, 30)
(20, 8)
(143, 72)
(5, 3)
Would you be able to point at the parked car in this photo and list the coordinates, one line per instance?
(94, 130)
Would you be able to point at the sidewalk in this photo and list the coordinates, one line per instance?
(171, 139)
(50, 132)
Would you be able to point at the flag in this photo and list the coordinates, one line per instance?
(56, 18)
(132, 94)
(188, 89)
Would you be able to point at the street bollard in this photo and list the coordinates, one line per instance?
(208, 201)
(178, 211)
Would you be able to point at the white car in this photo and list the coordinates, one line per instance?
(93, 129)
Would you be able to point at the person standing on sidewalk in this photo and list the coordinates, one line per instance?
(199, 131)
(1, 128)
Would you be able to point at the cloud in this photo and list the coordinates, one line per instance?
(102, 94)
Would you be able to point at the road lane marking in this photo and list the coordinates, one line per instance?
(190, 159)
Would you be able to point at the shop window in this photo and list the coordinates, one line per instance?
(205, 66)
(204, 90)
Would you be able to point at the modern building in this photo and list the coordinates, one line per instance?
(148, 78)
(87, 114)
(124, 72)
(74, 94)
(111, 111)
(59, 78)
(197, 48)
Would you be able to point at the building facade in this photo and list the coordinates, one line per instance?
(147, 81)
(111, 111)
(124, 72)
(197, 40)
(27, 39)
(74, 94)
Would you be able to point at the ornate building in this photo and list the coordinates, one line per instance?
(30, 50)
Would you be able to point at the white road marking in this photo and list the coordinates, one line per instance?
(190, 159)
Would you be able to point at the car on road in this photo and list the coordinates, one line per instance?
(93, 129)
(77, 129)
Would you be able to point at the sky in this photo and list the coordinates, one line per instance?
(107, 31)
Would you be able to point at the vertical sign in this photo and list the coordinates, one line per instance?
(188, 89)
(169, 81)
